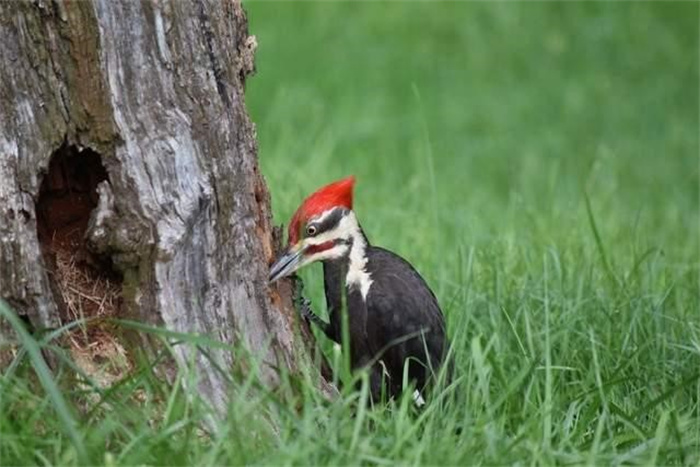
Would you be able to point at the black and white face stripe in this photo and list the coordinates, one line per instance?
(340, 226)
(332, 235)
(326, 222)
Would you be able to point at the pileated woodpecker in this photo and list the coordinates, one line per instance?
(394, 320)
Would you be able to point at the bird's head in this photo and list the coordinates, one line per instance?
(322, 229)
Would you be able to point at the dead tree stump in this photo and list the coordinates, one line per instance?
(129, 182)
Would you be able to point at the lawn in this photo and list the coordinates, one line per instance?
(538, 164)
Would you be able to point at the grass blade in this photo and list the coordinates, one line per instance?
(63, 410)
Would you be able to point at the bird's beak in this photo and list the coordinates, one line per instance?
(286, 264)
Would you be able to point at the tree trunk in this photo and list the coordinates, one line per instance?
(129, 182)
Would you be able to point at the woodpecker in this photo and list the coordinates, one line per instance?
(394, 320)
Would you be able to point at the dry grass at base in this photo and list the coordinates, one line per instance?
(89, 294)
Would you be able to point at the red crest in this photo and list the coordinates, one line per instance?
(334, 194)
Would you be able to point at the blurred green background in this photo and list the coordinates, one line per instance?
(477, 132)
(474, 124)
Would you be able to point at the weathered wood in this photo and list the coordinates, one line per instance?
(155, 90)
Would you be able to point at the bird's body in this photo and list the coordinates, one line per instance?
(395, 326)
(399, 320)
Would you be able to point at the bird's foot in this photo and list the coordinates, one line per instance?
(306, 311)
(302, 303)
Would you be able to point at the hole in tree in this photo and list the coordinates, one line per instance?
(85, 285)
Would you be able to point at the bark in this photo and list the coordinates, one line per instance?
(127, 157)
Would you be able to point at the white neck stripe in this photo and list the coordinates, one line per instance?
(347, 229)
(357, 260)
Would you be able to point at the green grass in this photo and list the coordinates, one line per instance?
(538, 163)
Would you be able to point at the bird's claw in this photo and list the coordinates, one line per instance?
(302, 303)
(305, 309)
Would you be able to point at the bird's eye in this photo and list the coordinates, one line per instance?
(311, 230)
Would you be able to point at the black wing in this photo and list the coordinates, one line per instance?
(404, 315)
